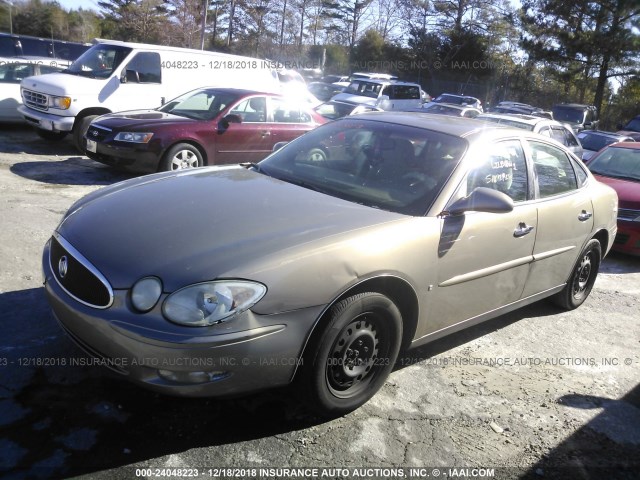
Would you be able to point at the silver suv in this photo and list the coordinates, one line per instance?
(384, 94)
(550, 128)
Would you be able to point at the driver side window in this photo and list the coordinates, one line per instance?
(503, 168)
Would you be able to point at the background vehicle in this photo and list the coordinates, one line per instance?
(334, 109)
(410, 228)
(12, 45)
(618, 165)
(578, 116)
(520, 108)
(632, 128)
(450, 109)
(594, 140)
(11, 74)
(385, 94)
(114, 76)
(464, 100)
(209, 126)
(324, 91)
(550, 128)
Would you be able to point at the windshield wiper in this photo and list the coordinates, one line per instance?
(253, 165)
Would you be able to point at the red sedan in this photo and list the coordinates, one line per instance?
(207, 126)
(618, 165)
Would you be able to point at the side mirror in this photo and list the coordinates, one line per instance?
(482, 199)
(227, 120)
(278, 146)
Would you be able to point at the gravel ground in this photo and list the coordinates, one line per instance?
(538, 393)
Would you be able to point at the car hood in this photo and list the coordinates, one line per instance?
(628, 191)
(51, 83)
(140, 119)
(205, 224)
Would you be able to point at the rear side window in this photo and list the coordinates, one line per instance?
(147, 66)
(553, 170)
(405, 92)
(288, 113)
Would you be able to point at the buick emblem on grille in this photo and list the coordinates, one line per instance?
(63, 265)
(94, 133)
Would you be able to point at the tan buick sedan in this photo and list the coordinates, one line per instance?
(368, 235)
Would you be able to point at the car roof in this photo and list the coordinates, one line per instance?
(383, 81)
(603, 134)
(456, 126)
(528, 119)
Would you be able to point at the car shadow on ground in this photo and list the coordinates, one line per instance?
(24, 139)
(595, 450)
(62, 416)
(74, 171)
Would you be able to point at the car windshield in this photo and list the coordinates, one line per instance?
(594, 142)
(364, 89)
(15, 72)
(99, 61)
(202, 104)
(334, 110)
(633, 125)
(617, 162)
(567, 114)
(387, 166)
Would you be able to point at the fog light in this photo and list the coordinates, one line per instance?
(192, 377)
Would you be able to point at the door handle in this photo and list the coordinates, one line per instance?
(584, 216)
(265, 133)
(522, 230)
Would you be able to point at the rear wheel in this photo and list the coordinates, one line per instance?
(51, 136)
(181, 156)
(582, 277)
(349, 360)
(79, 130)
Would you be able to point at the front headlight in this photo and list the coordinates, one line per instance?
(134, 137)
(209, 303)
(63, 103)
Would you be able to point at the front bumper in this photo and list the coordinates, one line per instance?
(132, 158)
(250, 353)
(47, 121)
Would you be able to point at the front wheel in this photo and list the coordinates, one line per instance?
(180, 156)
(582, 277)
(79, 131)
(350, 359)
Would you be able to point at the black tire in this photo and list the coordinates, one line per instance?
(582, 277)
(347, 362)
(79, 130)
(181, 156)
(51, 136)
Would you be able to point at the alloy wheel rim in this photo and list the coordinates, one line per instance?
(184, 159)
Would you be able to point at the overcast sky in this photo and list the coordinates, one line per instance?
(75, 4)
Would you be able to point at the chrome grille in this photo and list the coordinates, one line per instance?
(35, 100)
(75, 274)
(628, 214)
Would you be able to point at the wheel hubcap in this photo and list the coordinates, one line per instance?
(184, 159)
(582, 276)
(353, 356)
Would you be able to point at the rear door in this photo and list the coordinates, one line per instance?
(565, 216)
